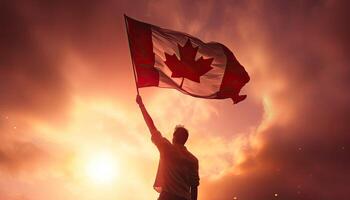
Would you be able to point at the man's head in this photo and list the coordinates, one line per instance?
(180, 135)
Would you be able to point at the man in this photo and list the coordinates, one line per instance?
(177, 176)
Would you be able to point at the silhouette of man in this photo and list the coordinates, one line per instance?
(177, 176)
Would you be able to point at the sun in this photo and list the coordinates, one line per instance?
(102, 168)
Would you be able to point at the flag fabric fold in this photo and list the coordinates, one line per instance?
(171, 59)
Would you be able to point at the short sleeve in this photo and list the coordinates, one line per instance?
(159, 140)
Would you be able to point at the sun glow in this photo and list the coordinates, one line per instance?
(102, 168)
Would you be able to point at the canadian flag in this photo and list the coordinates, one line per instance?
(171, 59)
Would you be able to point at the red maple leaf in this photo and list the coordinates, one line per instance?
(187, 66)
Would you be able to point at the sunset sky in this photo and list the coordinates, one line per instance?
(67, 101)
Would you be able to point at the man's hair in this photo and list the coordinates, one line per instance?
(180, 134)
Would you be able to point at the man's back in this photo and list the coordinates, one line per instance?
(177, 170)
(177, 175)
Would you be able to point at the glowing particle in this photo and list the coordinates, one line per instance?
(276, 195)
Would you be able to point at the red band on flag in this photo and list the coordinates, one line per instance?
(235, 77)
(141, 46)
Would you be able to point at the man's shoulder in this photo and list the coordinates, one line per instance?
(192, 157)
(160, 141)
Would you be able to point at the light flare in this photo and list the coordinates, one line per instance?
(102, 168)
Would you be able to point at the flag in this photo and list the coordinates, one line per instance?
(172, 59)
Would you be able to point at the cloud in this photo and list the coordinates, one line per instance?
(303, 142)
(31, 82)
(18, 155)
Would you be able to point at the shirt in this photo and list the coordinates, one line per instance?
(177, 169)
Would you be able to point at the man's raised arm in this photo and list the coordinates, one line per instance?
(152, 128)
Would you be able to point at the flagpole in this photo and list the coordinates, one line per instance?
(132, 60)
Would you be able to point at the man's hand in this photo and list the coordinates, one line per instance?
(139, 100)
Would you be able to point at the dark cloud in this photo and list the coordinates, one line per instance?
(32, 86)
(38, 41)
(304, 157)
(30, 80)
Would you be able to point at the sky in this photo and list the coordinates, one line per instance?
(67, 101)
